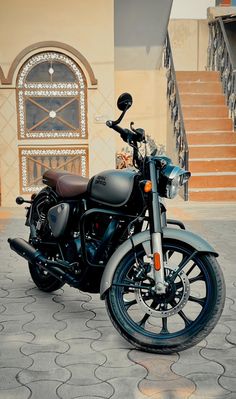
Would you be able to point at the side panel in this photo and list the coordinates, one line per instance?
(143, 238)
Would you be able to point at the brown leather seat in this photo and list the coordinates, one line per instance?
(71, 185)
(51, 176)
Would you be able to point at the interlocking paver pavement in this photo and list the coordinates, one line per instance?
(62, 345)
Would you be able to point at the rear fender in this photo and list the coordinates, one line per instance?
(143, 238)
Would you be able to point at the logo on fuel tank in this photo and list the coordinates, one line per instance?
(101, 180)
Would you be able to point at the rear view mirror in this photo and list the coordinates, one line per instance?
(124, 101)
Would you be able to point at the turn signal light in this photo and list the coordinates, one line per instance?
(147, 186)
(157, 261)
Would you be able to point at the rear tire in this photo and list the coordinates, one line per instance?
(177, 320)
(42, 279)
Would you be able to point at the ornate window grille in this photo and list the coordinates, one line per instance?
(36, 160)
(51, 98)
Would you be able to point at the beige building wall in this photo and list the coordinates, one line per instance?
(189, 43)
(89, 32)
(149, 110)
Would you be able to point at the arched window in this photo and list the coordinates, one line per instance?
(51, 105)
(51, 97)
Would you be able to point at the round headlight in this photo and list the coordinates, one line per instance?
(171, 179)
(172, 187)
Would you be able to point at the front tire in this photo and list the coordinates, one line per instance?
(174, 321)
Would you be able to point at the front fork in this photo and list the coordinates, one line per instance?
(156, 232)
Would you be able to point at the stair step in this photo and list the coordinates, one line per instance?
(211, 138)
(200, 87)
(212, 180)
(208, 124)
(197, 76)
(210, 135)
(220, 194)
(214, 111)
(212, 151)
(202, 99)
(213, 165)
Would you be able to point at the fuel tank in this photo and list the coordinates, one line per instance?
(112, 187)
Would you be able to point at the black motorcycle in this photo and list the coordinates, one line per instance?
(163, 287)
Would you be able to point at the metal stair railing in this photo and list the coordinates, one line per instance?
(179, 135)
(220, 59)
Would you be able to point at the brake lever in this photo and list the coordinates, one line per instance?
(139, 131)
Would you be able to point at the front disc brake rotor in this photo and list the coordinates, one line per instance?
(170, 303)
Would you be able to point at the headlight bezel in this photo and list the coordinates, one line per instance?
(172, 178)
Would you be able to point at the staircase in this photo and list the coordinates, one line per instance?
(210, 135)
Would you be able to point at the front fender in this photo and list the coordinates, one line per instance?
(187, 237)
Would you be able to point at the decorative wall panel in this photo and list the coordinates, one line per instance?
(35, 161)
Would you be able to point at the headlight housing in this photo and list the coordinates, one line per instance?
(171, 179)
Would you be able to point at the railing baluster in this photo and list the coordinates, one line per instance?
(176, 112)
(221, 59)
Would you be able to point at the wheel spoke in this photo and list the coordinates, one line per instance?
(200, 301)
(186, 320)
(146, 316)
(199, 277)
(143, 320)
(182, 264)
(191, 269)
(130, 303)
(164, 329)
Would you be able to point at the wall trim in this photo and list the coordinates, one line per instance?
(42, 45)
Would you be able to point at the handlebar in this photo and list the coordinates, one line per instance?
(127, 135)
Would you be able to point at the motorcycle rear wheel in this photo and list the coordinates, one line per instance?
(42, 279)
(177, 320)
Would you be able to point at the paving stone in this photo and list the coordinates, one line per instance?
(15, 393)
(174, 389)
(43, 367)
(13, 326)
(158, 367)
(231, 336)
(69, 309)
(224, 357)
(99, 323)
(109, 373)
(8, 377)
(3, 293)
(41, 327)
(71, 294)
(13, 308)
(11, 336)
(118, 358)
(207, 386)
(228, 383)
(110, 339)
(77, 328)
(99, 390)
(47, 344)
(44, 388)
(218, 337)
(191, 361)
(81, 375)
(80, 351)
(129, 388)
(11, 356)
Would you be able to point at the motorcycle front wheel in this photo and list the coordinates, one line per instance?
(176, 320)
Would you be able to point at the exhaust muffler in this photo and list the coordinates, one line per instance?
(32, 255)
